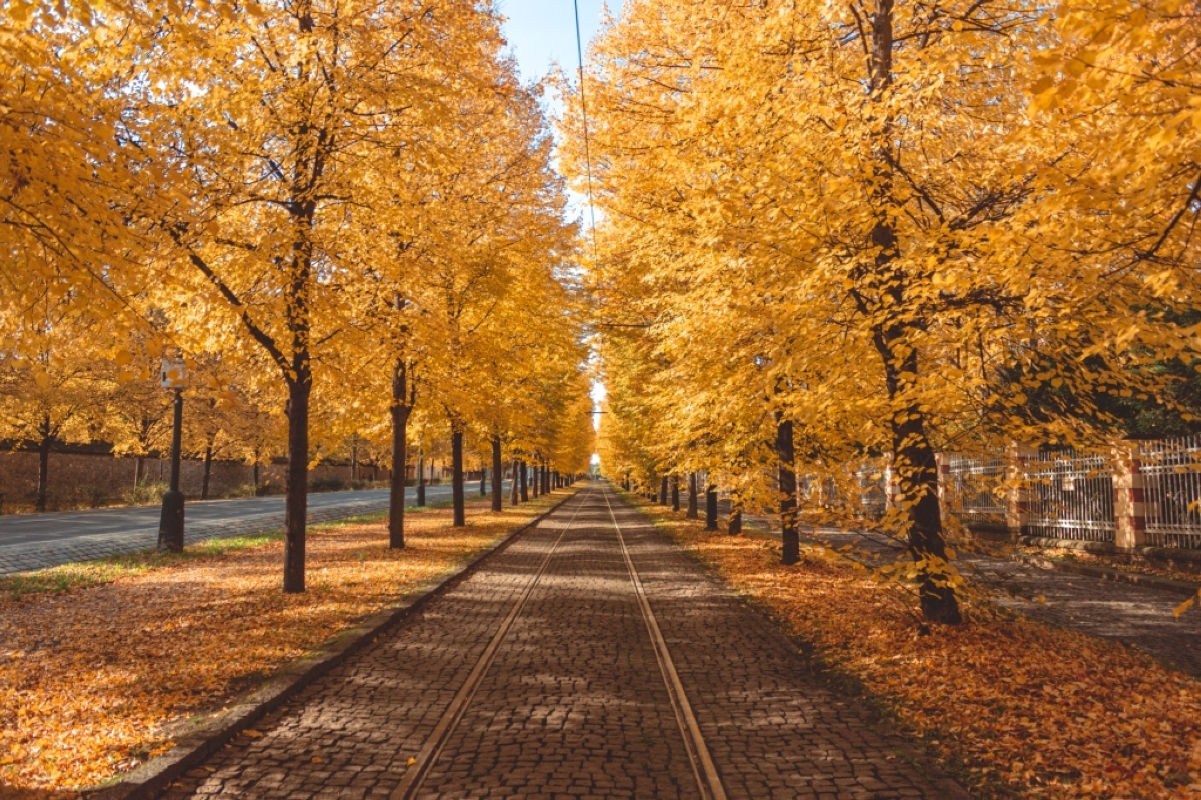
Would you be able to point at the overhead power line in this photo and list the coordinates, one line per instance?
(579, 46)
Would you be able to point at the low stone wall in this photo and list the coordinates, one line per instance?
(84, 480)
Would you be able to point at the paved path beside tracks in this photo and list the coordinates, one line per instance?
(38, 541)
(590, 658)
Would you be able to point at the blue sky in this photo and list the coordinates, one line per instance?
(543, 31)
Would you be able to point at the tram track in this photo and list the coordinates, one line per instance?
(708, 780)
(414, 776)
(703, 769)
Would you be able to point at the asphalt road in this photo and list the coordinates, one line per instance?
(63, 526)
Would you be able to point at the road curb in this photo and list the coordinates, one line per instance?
(196, 745)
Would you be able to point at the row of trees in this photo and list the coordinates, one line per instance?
(343, 215)
(846, 233)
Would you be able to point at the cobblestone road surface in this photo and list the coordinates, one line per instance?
(574, 703)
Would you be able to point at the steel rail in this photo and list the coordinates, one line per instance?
(414, 776)
(703, 769)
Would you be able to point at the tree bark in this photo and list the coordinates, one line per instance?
(675, 492)
(734, 526)
(420, 477)
(401, 410)
(913, 455)
(786, 454)
(514, 483)
(711, 508)
(456, 469)
(692, 499)
(525, 490)
(497, 482)
(483, 481)
(208, 471)
(44, 471)
(663, 491)
(296, 502)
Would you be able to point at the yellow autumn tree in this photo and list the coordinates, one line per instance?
(827, 222)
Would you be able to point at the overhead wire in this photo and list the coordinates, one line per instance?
(579, 46)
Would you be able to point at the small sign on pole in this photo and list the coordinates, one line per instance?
(172, 373)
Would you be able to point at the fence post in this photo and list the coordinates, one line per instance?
(1017, 497)
(1129, 510)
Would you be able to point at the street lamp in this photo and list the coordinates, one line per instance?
(170, 527)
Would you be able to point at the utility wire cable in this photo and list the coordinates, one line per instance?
(579, 47)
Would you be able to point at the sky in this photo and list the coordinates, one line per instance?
(543, 31)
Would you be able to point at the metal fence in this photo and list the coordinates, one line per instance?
(1070, 496)
(1171, 477)
(974, 490)
(873, 482)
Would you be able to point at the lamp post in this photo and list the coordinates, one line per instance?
(170, 527)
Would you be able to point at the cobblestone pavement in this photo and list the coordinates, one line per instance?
(574, 703)
(222, 519)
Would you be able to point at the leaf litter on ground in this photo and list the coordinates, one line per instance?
(99, 661)
(1012, 706)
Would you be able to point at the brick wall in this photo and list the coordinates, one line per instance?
(84, 480)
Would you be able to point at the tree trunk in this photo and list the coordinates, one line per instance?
(208, 472)
(456, 478)
(786, 454)
(711, 508)
(400, 428)
(535, 481)
(497, 484)
(43, 471)
(483, 481)
(297, 500)
(735, 522)
(663, 491)
(420, 478)
(514, 483)
(255, 474)
(692, 499)
(675, 492)
(525, 490)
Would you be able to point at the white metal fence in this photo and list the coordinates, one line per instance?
(973, 489)
(1171, 478)
(1070, 496)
